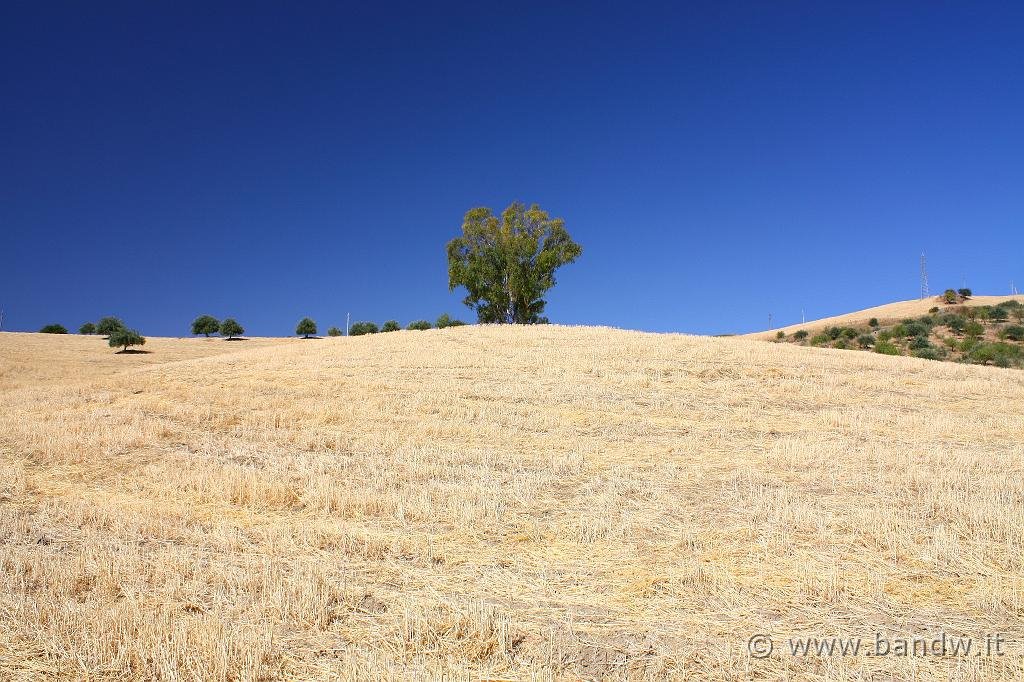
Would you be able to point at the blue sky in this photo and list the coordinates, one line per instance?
(717, 161)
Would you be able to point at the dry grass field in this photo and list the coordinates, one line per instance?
(501, 503)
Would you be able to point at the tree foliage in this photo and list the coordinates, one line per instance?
(87, 328)
(206, 325)
(230, 328)
(54, 329)
(108, 325)
(360, 328)
(305, 328)
(333, 331)
(507, 264)
(390, 326)
(419, 325)
(123, 338)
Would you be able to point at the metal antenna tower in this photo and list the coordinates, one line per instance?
(924, 277)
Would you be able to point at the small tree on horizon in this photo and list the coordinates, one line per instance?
(87, 328)
(949, 296)
(54, 329)
(230, 328)
(206, 325)
(306, 327)
(108, 325)
(390, 326)
(333, 331)
(964, 293)
(124, 338)
(419, 325)
(361, 328)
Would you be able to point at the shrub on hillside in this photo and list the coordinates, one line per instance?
(230, 328)
(54, 329)
(124, 338)
(928, 354)
(873, 323)
(780, 335)
(887, 348)
(974, 329)
(833, 332)
(933, 309)
(949, 297)
(820, 339)
(1014, 332)
(800, 334)
(390, 326)
(107, 325)
(999, 314)
(919, 343)
(840, 344)
(87, 328)
(964, 293)
(361, 328)
(305, 328)
(333, 331)
(954, 323)
(865, 340)
(419, 325)
(205, 325)
(849, 332)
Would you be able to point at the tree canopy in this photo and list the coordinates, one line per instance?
(390, 326)
(360, 328)
(305, 328)
(54, 329)
(123, 338)
(87, 328)
(507, 264)
(230, 328)
(107, 325)
(206, 325)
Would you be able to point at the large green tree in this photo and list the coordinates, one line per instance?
(507, 264)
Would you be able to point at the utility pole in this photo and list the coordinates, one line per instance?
(1013, 288)
(769, 320)
(924, 278)
(348, 316)
(803, 320)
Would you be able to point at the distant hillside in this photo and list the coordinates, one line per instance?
(987, 330)
(890, 312)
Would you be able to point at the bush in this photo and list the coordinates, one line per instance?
(884, 335)
(998, 354)
(87, 328)
(849, 332)
(107, 325)
(333, 331)
(886, 348)
(920, 343)
(873, 323)
(954, 323)
(865, 340)
(360, 328)
(390, 326)
(230, 328)
(974, 329)
(840, 344)
(206, 325)
(928, 354)
(124, 338)
(964, 293)
(54, 329)
(949, 296)
(780, 335)
(933, 309)
(419, 325)
(999, 314)
(820, 339)
(305, 328)
(800, 334)
(443, 320)
(1014, 332)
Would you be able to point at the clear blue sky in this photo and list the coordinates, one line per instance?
(717, 161)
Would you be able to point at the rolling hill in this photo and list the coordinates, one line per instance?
(890, 312)
(501, 503)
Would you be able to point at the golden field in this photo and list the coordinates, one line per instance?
(520, 503)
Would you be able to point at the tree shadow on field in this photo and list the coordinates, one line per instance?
(311, 338)
(236, 338)
(133, 351)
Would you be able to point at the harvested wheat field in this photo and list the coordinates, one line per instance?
(521, 503)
